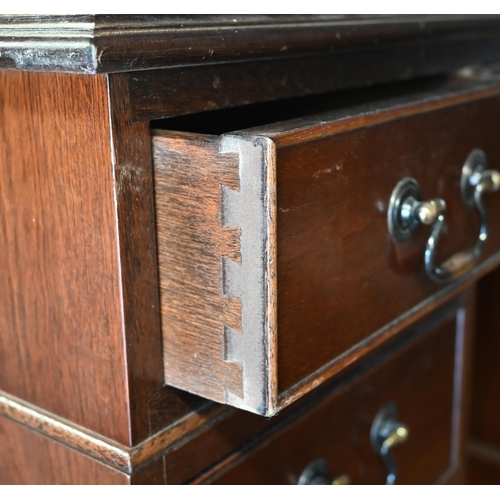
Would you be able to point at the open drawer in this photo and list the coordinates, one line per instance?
(281, 254)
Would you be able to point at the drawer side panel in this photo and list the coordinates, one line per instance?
(213, 249)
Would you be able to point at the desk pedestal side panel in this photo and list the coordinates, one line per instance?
(61, 342)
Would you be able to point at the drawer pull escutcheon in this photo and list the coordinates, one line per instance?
(407, 211)
(386, 432)
(318, 473)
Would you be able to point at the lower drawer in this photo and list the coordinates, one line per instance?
(418, 376)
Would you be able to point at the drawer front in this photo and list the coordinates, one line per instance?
(277, 268)
(418, 378)
(342, 277)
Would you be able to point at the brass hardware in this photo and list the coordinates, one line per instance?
(343, 479)
(407, 211)
(318, 472)
(386, 433)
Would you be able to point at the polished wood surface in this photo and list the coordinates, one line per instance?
(483, 449)
(418, 376)
(115, 43)
(85, 312)
(221, 440)
(133, 177)
(34, 458)
(190, 282)
(335, 173)
(61, 346)
(152, 474)
(81, 224)
(221, 447)
(333, 195)
(30, 458)
(482, 472)
(167, 406)
(486, 369)
(123, 458)
(169, 92)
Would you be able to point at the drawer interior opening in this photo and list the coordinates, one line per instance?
(221, 121)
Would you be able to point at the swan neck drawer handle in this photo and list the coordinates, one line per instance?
(386, 433)
(407, 211)
(318, 473)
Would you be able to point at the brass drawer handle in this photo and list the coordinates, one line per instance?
(386, 432)
(407, 211)
(318, 473)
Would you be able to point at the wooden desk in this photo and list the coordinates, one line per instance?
(85, 301)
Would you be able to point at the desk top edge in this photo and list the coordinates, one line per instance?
(123, 43)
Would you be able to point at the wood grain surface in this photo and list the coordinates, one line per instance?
(133, 176)
(215, 221)
(339, 274)
(185, 463)
(153, 473)
(418, 376)
(112, 43)
(33, 458)
(485, 402)
(82, 343)
(218, 431)
(30, 458)
(483, 447)
(190, 263)
(482, 463)
(168, 406)
(143, 42)
(79, 228)
(61, 346)
(171, 92)
(81, 311)
(73, 436)
(103, 449)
